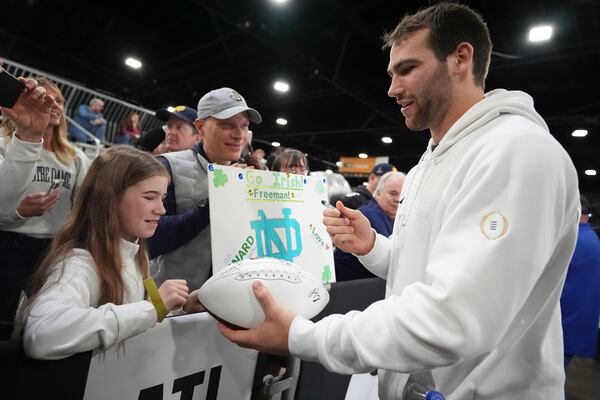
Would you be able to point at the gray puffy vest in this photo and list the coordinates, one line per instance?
(192, 261)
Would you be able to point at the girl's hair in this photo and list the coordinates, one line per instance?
(59, 144)
(94, 223)
(290, 158)
(126, 123)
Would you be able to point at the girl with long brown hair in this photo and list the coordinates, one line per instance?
(88, 292)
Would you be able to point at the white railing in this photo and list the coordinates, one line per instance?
(76, 94)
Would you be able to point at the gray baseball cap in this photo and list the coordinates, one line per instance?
(225, 103)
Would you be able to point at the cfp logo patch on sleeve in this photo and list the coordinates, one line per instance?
(494, 225)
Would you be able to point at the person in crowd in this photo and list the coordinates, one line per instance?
(249, 157)
(34, 152)
(129, 129)
(181, 246)
(88, 292)
(181, 133)
(481, 243)
(363, 194)
(380, 212)
(151, 140)
(291, 161)
(272, 156)
(91, 119)
(580, 299)
(260, 156)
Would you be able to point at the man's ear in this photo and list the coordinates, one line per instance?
(199, 125)
(461, 61)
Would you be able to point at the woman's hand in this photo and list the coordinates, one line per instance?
(36, 204)
(31, 112)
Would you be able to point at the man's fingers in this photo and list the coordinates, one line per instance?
(348, 212)
(245, 338)
(262, 294)
(231, 334)
(335, 221)
(340, 230)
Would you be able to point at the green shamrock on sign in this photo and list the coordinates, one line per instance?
(319, 187)
(326, 274)
(220, 178)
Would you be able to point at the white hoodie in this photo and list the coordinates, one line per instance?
(26, 168)
(474, 267)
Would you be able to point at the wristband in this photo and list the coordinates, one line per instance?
(155, 298)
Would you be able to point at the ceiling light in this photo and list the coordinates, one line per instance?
(281, 121)
(363, 155)
(133, 63)
(579, 133)
(338, 163)
(540, 33)
(171, 109)
(328, 171)
(281, 86)
(275, 144)
(590, 172)
(279, 1)
(386, 139)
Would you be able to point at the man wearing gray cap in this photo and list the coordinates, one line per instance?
(181, 245)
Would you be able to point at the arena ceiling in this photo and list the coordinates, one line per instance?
(328, 50)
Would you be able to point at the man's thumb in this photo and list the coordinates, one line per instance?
(262, 294)
(347, 212)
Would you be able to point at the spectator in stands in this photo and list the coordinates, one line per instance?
(580, 299)
(181, 132)
(480, 246)
(34, 151)
(89, 292)
(380, 212)
(273, 155)
(129, 129)
(260, 156)
(181, 245)
(151, 140)
(249, 158)
(91, 119)
(291, 161)
(362, 194)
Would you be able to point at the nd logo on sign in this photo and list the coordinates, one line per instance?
(266, 228)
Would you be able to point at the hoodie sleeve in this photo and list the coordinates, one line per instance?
(63, 320)
(474, 289)
(18, 162)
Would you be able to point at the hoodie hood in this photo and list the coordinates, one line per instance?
(494, 104)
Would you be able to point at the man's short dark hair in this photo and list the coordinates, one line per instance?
(449, 25)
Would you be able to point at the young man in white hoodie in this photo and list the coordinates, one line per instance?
(476, 262)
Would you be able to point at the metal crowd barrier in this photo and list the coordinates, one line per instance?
(76, 94)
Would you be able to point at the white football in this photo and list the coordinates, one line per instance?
(228, 295)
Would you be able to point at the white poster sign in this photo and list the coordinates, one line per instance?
(269, 214)
(181, 358)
